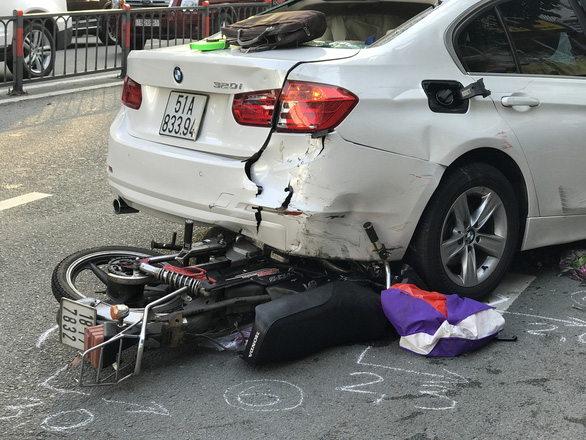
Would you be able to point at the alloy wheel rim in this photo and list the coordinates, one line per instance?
(38, 51)
(473, 237)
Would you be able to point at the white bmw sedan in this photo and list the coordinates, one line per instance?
(455, 128)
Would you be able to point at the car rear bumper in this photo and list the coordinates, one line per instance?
(313, 202)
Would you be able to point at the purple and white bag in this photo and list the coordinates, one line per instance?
(433, 324)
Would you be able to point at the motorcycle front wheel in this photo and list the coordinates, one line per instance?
(84, 273)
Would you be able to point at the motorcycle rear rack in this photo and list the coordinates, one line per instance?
(111, 379)
(116, 377)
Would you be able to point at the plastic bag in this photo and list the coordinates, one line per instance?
(433, 324)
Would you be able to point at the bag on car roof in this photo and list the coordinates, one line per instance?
(279, 29)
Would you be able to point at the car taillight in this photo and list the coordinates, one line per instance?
(304, 107)
(255, 108)
(308, 107)
(131, 94)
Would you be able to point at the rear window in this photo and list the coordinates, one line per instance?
(352, 26)
(547, 37)
(525, 36)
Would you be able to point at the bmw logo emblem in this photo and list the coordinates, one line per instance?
(178, 74)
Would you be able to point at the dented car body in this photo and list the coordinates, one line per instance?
(439, 134)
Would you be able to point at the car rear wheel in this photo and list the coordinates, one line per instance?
(468, 235)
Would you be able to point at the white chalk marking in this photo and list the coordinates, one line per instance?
(581, 300)
(261, 397)
(45, 335)
(570, 322)
(361, 362)
(543, 331)
(158, 409)
(53, 428)
(450, 378)
(440, 395)
(22, 200)
(19, 409)
(352, 388)
(249, 393)
(45, 384)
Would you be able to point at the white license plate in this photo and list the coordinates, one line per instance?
(183, 115)
(75, 318)
(154, 22)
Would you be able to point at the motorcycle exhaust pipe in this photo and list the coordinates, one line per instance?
(120, 207)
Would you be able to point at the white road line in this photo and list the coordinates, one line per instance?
(21, 200)
(508, 290)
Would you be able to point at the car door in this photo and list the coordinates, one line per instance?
(533, 55)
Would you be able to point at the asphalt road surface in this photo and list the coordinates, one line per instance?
(53, 154)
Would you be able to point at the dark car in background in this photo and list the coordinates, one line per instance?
(152, 23)
(93, 24)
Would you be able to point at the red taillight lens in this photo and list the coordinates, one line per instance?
(131, 94)
(305, 107)
(255, 108)
(308, 107)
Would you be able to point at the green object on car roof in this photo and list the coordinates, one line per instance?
(209, 44)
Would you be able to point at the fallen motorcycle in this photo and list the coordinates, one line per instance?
(114, 299)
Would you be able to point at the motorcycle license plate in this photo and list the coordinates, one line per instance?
(183, 115)
(74, 319)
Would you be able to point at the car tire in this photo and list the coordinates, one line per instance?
(106, 31)
(467, 237)
(39, 52)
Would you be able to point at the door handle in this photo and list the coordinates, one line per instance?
(519, 101)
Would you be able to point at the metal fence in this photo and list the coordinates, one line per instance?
(43, 47)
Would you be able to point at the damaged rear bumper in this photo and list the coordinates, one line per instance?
(307, 197)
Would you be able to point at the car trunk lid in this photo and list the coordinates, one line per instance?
(177, 78)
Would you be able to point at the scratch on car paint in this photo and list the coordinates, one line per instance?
(314, 149)
(503, 137)
(573, 200)
(310, 243)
